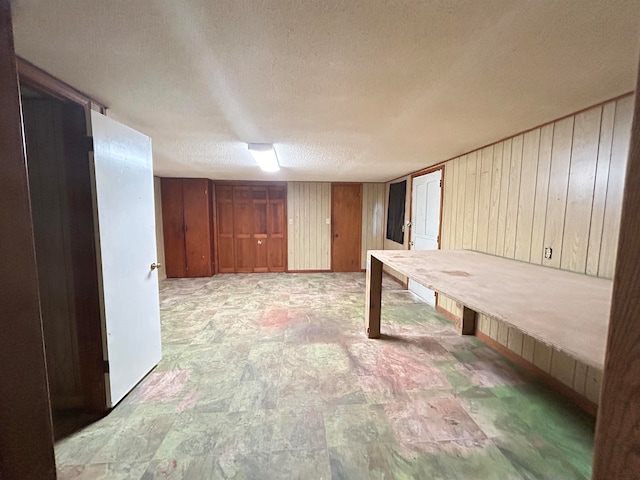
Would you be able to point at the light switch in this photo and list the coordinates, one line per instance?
(328, 221)
(291, 221)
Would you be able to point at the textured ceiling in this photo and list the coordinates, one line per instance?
(347, 90)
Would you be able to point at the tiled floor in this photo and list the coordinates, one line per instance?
(270, 376)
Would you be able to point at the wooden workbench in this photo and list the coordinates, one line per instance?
(565, 310)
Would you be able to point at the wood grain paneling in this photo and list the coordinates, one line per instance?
(526, 201)
(558, 182)
(484, 198)
(52, 222)
(513, 199)
(617, 169)
(309, 236)
(541, 194)
(600, 190)
(582, 174)
(26, 441)
(558, 186)
(373, 232)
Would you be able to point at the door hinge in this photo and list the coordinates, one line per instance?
(105, 366)
(440, 183)
(88, 143)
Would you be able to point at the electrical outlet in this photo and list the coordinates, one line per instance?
(547, 253)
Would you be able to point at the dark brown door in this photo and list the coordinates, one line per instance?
(346, 226)
(252, 229)
(243, 228)
(276, 226)
(197, 227)
(260, 232)
(173, 227)
(224, 211)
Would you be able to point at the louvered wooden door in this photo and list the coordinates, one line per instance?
(252, 235)
(276, 227)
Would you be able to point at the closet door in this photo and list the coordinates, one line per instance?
(224, 211)
(276, 228)
(243, 231)
(197, 227)
(173, 227)
(260, 231)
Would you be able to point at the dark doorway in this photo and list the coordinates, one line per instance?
(63, 220)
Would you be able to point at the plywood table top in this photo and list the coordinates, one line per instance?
(565, 310)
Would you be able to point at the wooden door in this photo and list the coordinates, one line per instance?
(243, 219)
(426, 200)
(123, 179)
(173, 227)
(277, 229)
(197, 227)
(225, 238)
(346, 227)
(260, 200)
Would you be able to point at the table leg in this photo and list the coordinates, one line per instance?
(373, 302)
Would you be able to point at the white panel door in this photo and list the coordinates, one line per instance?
(425, 222)
(123, 175)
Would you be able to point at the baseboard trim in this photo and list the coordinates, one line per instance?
(308, 271)
(446, 313)
(574, 397)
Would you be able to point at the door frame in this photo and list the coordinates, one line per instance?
(420, 173)
(26, 442)
(408, 231)
(90, 345)
(361, 185)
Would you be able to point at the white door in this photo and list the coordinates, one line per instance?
(126, 241)
(425, 222)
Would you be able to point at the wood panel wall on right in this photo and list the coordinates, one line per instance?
(558, 186)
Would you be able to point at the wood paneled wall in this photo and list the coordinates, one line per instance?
(557, 186)
(162, 272)
(44, 136)
(309, 217)
(373, 219)
(309, 230)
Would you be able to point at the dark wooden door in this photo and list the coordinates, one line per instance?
(346, 227)
(251, 227)
(277, 229)
(197, 227)
(260, 199)
(173, 227)
(243, 219)
(225, 244)
(187, 229)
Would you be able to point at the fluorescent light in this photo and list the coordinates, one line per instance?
(265, 155)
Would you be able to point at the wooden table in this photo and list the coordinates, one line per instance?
(565, 310)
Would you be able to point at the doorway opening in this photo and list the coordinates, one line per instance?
(64, 233)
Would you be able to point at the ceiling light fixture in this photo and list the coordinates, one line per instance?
(265, 155)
